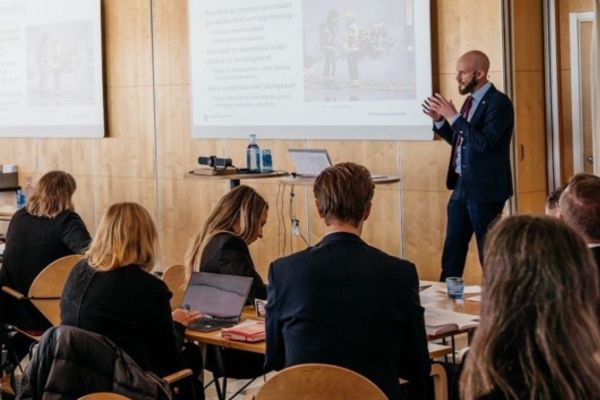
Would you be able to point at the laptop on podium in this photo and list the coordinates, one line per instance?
(219, 298)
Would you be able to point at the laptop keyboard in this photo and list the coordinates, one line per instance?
(209, 324)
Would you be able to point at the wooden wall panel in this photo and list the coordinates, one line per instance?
(530, 131)
(464, 25)
(127, 43)
(528, 98)
(532, 202)
(172, 65)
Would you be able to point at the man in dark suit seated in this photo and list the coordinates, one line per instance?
(344, 302)
(580, 207)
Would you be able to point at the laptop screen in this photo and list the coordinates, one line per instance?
(309, 162)
(217, 295)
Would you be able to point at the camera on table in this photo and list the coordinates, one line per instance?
(215, 162)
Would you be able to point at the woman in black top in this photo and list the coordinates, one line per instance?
(113, 293)
(539, 336)
(45, 230)
(222, 247)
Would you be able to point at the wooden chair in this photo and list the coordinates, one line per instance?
(47, 287)
(318, 382)
(104, 396)
(176, 279)
(440, 381)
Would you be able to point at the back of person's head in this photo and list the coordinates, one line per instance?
(126, 235)
(52, 195)
(580, 205)
(343, 193)
(538, 337)
(238, 212)
(552, 209)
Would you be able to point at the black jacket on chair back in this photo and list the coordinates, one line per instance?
(71, 362)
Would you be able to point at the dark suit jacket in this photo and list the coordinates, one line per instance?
(346, 303)
(228, 254)
(31, 244)
(485, 152)
(130, 307)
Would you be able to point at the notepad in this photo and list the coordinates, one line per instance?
(439, 321)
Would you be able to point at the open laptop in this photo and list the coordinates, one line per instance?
(309, 162)
(219, 298)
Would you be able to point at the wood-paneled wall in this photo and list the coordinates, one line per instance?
(528, 98)
(149, 145)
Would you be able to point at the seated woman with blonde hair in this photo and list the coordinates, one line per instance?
(113, 293)
(538, 337)
(43, 231)
(222, 245)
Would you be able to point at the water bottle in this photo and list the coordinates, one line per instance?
(253, 155)
(21, 198)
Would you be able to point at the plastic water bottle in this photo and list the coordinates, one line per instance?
(253, 155)
(21, 199)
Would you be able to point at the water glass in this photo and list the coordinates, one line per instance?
(456, 287)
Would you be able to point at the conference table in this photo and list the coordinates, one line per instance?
(214, 338)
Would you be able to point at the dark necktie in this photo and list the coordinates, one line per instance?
(466, 109)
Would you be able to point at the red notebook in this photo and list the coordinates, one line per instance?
(246, 331)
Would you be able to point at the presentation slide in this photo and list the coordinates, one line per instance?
(316, 69)
(51, 68)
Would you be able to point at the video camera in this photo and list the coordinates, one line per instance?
(215, 162)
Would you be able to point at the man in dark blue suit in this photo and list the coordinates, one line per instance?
(344, 302)
(479, 171)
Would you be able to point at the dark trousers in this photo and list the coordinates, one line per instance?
(465, 217)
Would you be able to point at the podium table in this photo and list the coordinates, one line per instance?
(234, 179)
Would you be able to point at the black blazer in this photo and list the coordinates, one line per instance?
(130, 307)
(485, 151)
(346, 303)
(228, 254)
(31, 244)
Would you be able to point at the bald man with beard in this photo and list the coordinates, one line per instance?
(479, 172)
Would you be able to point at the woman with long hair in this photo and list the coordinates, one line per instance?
(538, 337)
(222, 245)
(112, 291)
(46, 229)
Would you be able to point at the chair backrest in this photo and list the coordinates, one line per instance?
(48, 285)
(104, 396)
(319, 382)
(176, 279)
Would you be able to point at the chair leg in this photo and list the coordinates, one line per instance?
(440, 381)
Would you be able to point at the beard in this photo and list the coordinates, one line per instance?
(469, 86)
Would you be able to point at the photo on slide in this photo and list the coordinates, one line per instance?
(356, 50)
(60, 68)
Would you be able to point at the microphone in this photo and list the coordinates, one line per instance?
(215, 162)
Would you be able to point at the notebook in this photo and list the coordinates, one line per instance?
(309, 162)
(219, 298)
